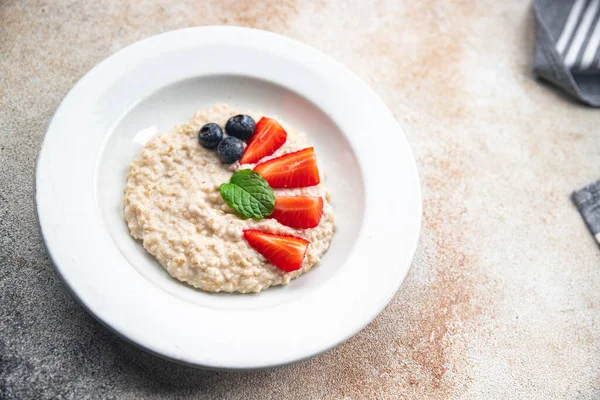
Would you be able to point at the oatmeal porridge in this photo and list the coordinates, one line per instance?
(173, 204)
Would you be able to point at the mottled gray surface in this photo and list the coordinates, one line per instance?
(503, 298)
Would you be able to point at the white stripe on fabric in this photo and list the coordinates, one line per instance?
(582, 31)
(597, 236)
(592, 47)
(570, 25)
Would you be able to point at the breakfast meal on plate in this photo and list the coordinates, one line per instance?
(230, 202)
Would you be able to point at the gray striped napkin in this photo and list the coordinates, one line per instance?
(567, 54)
(567, 51)
(587, 201)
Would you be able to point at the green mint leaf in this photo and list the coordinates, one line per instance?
(248, 194)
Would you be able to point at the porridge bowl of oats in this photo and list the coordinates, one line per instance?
(228, 215)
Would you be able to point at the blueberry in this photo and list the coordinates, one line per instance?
(210, 135)
(240, 126)
(230, 149)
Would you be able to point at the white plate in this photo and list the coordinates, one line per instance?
(159, 82)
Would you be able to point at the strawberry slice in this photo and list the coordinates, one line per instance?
(283, 251)
(293, 170)
(298, 211)
(268, 137)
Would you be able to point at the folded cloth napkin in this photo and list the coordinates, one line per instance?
(587, 201)
(567, 51)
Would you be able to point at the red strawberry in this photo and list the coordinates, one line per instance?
(268, 137)
(283, 251)
(298, 169)
(299, 211)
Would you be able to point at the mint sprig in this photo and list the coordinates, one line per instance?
(248, 194)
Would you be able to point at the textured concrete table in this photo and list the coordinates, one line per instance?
(503, 298)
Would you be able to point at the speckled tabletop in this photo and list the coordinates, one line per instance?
(503, 298)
